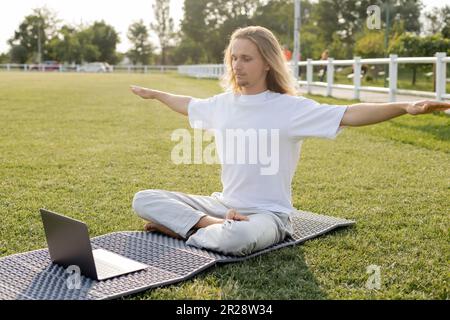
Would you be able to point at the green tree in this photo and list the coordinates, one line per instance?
(18, 54)
(66, 46)
(278, 16)
(105, 38)
(411, 45)
(34, 31)
(340, 21)
(4, 58)
(446, 29)
(90, 52)
(163, 26)
(192, 33)
(142, 49)
(189, 52)
(370, 45)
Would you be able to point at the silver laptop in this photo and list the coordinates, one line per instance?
(69, 244)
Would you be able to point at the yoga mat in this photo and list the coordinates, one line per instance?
(32, 276)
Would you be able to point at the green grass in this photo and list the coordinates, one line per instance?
(83, 145)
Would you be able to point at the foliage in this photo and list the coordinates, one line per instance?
(163, 26)
(142, 49)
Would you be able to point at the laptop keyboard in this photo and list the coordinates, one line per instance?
(104, 268)
(109, 264)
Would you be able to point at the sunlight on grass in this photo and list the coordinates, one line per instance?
(83, 145)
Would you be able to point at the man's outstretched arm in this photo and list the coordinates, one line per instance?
(175, 102)
(362, 114)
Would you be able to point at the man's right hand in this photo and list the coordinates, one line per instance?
(175, 102)
(232, 214)
(144, 93)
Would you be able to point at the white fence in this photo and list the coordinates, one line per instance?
(202, 70)
(216, 70)
(440, 60)
(79, 68)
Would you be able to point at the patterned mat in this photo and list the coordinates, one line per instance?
(31, 275)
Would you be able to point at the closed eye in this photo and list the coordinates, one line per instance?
(245, 58)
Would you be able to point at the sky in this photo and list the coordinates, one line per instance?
(120, 14)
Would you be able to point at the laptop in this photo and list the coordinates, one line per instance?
(69, 244)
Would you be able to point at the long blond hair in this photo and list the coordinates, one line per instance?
(279, 78)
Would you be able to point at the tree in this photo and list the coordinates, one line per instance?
(163, 26)
(446, 29)
(370, 45)
(208, 24)
(347, 18)
(194, 24)
(189, 52)
(18, 54)
(192, 33)
(66, 46)
(34, 34)
(4, 58)
(105, 38)
(78, 44)
(227, 16)
(438, 20)
(90, 52)
(411, 45)
(278, 17)
(142, 48)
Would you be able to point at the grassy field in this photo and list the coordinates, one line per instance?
(83, 145)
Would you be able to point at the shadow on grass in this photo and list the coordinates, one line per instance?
(279, 275)
(283, 274)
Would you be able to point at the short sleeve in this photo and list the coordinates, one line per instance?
(201, 112)
(311, 119)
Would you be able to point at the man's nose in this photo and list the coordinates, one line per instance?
(237, 65)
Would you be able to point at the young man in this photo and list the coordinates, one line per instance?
(253, 210)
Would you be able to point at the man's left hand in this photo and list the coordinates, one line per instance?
(426, 106)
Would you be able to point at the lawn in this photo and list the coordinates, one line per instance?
(83, 145)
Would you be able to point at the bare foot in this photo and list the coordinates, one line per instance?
(154, 227)
(232, 214)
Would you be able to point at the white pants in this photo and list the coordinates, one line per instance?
(179, 212)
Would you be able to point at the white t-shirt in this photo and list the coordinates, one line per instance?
(270, 126)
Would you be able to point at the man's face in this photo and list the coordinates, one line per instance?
(248, 64)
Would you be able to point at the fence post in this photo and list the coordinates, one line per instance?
(25, 67)
(330, 76)
(356, 77)
(309, 75)
(440, 75)
(393, 65)
(8, 67)
(145, 69)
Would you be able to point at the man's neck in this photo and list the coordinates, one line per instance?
(252, 91)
